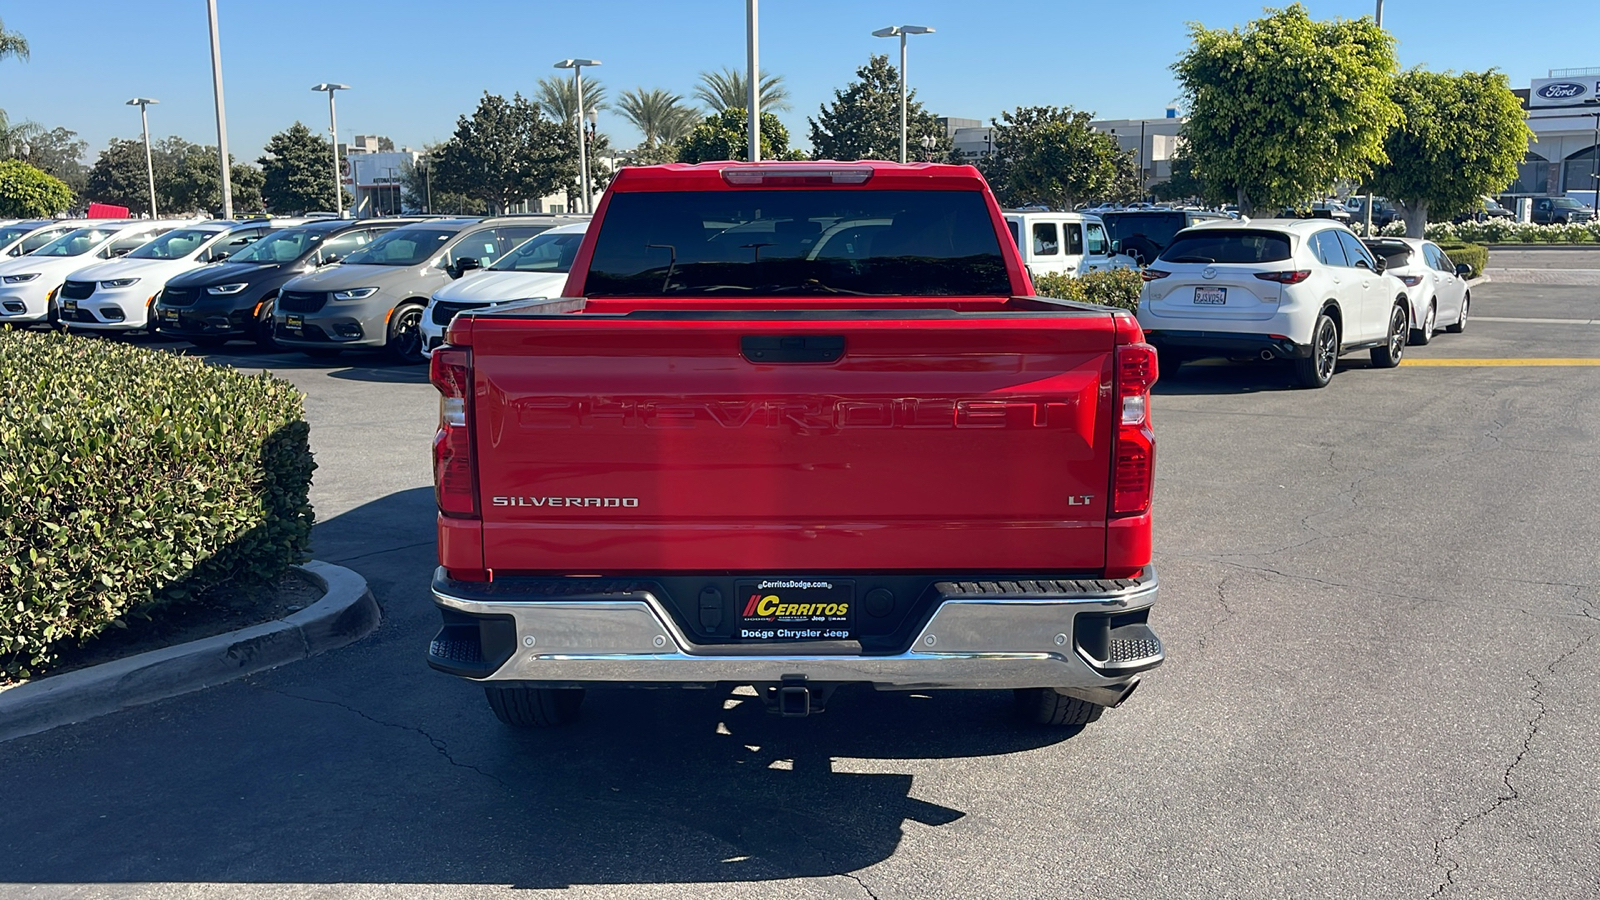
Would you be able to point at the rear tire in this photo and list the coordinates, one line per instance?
(529, 707)
(1421, 336)
(1316, 370)
(264, 336)
(1394, 348)
(1047, 706)
(1461, 323)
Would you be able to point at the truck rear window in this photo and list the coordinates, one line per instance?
(854, 242)
(1227, 246)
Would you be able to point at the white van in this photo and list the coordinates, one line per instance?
(1064, 243)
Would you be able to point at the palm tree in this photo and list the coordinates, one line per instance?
(728, 89)
(660, 116)
(14, 139)
(557, 97)
(12, 44)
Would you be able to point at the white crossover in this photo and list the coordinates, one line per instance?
(537, 267)
(1437, 286)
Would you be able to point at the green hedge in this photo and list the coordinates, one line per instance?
(133, 478)
(1474, 255)
(1112, 287)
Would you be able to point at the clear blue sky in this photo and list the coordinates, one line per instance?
(416, 66)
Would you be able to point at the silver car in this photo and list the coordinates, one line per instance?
(375, 297)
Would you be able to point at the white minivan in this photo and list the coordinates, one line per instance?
(1064, 243)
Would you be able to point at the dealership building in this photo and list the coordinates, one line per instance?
(1564, 114)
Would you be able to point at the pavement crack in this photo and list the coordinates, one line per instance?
(1227, 614)
(440, 746)
(1441, 859)
(863, 884)
(344, 559)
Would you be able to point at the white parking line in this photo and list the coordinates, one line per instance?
(1532, 321)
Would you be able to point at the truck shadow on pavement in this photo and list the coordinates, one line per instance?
(1215, 376)
(364, 766)
(353, 365)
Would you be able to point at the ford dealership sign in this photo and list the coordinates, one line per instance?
(1561, 91)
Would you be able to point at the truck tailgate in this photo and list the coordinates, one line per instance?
(934, 440)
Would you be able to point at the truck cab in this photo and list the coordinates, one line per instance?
(1064, 243)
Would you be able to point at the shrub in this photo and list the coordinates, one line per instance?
(1110, 287)
(30, 193)
(132, 478)
(1506, 231)
(1474, 255)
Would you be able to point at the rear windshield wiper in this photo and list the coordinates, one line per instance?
(1191, 259)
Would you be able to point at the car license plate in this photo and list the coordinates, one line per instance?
(69, 306)
(1211, 296)
(796, 609)
(169, 315)
(293, 321)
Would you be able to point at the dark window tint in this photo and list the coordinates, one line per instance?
(1228, 246)
(1074, 238)
(1046, 241)
(1326, 246)
(1354, 251)
(864, 242)
(1146, 233)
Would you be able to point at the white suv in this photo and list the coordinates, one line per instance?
(1305, 290)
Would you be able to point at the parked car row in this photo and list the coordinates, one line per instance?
(1303, 290)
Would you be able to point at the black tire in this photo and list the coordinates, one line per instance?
(323, 352)
(1421, 336)
(1394, 348)
(207, 343)
(265, 334)
(1047, 706)
(404, 342)
(1167, 363)
(1461, 323)
(1316, 370)
(530, 707)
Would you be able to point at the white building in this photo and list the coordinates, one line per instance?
(1153, 142)
(1564, 114)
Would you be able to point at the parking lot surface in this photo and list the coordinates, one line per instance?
(1379, 601)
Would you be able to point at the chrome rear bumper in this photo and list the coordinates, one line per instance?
(975, 641)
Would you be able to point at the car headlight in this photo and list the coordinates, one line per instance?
(119, 282)
(355, 293)
(21, 279)
(222, 290)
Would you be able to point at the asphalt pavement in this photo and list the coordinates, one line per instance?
(1379, 602)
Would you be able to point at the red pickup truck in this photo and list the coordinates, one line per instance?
(796, 426)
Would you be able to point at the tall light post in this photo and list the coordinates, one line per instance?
(149, 164)
(576, 65)
(1366, 208)
(752, 43)
(333, 129)
(222, 120)
(901, 31)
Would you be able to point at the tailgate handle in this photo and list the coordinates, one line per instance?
(791, 348)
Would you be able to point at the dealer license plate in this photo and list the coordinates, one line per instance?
(796, 609)
(293, 321)
(1211, 296)
(169, 315)
(70, 306)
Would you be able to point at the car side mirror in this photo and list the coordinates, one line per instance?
(1116, 246)
(464, 265)
(122, 252)
(1464, 270)
(330, 259)
(1382, 263)
(220, 257)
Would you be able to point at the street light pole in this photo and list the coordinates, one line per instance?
(752, 41)
(901, 31)
(1366, 208)
(576, 65)
(333, 129)
(222, 120)
(149, 164)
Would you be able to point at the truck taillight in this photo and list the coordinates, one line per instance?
(1133, 477)
(454, 475)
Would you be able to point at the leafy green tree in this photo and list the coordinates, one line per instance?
(505, 153)
(60, 153)
(557, 97)
(727, 88)
(118, 175)
(1050, 155)
(12, 44)
(421, 191)
(192, 182)
(297, 172)
(660, 116)
(1183, 184)
(726, 135)
(1462, 138)
(1282, 110)
(28, 193)
(864, 120)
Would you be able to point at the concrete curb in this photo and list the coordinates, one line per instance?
(346, 613)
